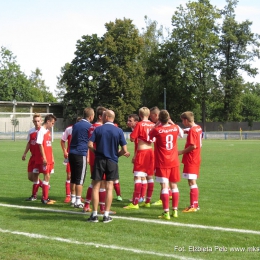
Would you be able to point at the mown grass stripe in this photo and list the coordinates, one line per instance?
(142, 220)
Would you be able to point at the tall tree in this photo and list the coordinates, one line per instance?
(195, 39)
(152, 36)
(106, 71)
(238, 47)
(82, 76)
(121, 86)
(61, 86)
(13, 82)
(41, 90)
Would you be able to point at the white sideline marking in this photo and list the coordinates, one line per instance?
(246, 231)
(70, 241)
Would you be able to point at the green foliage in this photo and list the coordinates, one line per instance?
(238, 47)
(198, 65)
(251, 108)
(105, 72)
(14, 84)
(40, 90)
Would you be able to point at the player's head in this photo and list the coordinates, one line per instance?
(99, 112)
(108, 116)
(132, 120)
(88, 114)
(164, 116)
(187, 118)
(78, 118)
(144, 112)
(154, 114)
(50, 120)
(37, 120)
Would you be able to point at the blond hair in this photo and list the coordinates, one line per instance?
(144, 111)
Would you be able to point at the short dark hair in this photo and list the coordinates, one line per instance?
(154, 110)
(134, 116)
(164, 116)
(88, 111)
(50, 117)
(100, 110)
(188, 115)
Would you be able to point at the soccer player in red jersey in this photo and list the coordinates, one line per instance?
(154, 117)
(191, 158)
(144, 159)
(167, 171)
(31, 144)
(66, 137)
(132, 120)
(44, 160)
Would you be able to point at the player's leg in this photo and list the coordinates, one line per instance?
(102, 196)
(117, 189)
(67, 184)
(191, 174)
(174, 178)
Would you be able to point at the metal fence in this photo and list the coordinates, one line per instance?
(207, 135)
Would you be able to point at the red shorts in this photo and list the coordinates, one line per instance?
(39, 168)
(144, 162)
(169, 174)
(191, 169)
(30, 164)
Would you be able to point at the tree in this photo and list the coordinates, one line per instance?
(121, 86)
(152, 36)
(14, 84)
(81, 77)
(195, 30)
(238, 47)
(61, 86)
(41, 90)
(106, 71)
(250, 108)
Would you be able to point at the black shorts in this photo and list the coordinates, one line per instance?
(78, 167)
(107, 167)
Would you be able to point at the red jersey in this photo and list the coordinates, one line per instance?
(44, 138)
(66, 136)
(91, 158)
(193, 138)
(166, 150)
(31, 138)
(141, 131)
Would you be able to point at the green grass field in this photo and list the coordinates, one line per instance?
(226, 227)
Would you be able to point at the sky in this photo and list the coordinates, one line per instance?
(43, 33)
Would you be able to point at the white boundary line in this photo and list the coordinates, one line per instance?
(114, 247)
(235, 230)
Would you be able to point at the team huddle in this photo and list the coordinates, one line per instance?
(100, 145)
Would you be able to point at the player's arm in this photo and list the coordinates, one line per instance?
(91, 146)
(181, 132)
(135, 133)
(63, 147)
(124, 151)
(188, 149)
(26, 151)
(43, 154)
